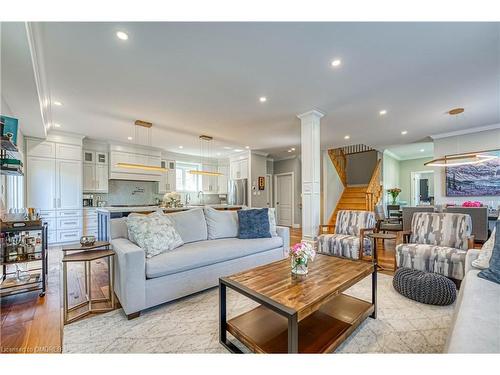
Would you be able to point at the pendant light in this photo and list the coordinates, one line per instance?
(205, 148)
(148, 126)
(462, 158)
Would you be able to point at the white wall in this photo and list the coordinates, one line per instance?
(481, 141)
(332, 187)
(390, 175)
(405, 169)
(258, 168)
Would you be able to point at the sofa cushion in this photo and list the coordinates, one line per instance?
(343, 245)
(477, 317)
(351, 222)
(204, 253)
(492, 273)
(254, 223)
(446, 261)
(441, 229)
(190, 224)
(154, 233)
(221, 224)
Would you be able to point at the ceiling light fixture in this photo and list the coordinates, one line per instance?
(237, 150)
(289, 150)
(347, 137)
(147, 126)
(336, 63)
(404, 132)
(57, 103)
(262, 99)
(382, 112)
(247, 147)
(293, 148)
(122, 35)
(181, 147)
(57, 125)
(205, 146)
(459, 159)
(455, 111)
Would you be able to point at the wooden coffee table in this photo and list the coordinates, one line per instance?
(307, 314)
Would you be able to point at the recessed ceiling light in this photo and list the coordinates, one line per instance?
(262, 99)
(293, 149)
(129, 138)
(336, 63)
(181, 146)
(347, 137)
(289, 150)
(237, 150)
(382, 112)
(227, 148)
(404, 132)
(422, 150)
(57, 125)
(57, 103)
(247, 147)
(122, 35)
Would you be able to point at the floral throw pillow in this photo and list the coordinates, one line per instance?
(154, 233)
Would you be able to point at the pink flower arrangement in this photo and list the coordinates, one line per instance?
(302, 250)
(472, 204)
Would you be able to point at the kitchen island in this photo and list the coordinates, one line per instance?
(105, 214)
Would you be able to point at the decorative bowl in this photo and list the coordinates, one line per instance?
(87, 240)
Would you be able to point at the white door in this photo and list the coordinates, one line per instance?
(88, 177)
(284, 199)
(69, 182)
(101, 177)
(41, 183)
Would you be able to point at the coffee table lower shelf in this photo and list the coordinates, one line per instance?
(264, 331)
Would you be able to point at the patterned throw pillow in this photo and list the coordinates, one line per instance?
(154, 233)
(483, 260)
(254, 223)
(492, 273)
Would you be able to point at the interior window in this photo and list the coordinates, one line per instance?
(186, 181)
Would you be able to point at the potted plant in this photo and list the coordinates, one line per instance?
(394, 192)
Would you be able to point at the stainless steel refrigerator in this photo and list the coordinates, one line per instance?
(237, 192)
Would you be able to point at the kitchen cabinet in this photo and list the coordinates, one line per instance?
(209, 183)
(38, 147)
(239, 169)
(41, 183)
(95, 172)
(68, 152)
(68, 184)
(223, 179)
(120, 155)
(167, 181)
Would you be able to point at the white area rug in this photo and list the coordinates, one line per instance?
(190, 325)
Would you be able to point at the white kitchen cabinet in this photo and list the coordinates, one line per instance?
(41, 183)
(68, 184)
(41, 148)
(222, 180)
(95, 173)
(137, 174)
(68, 152)
(239, 169)
(167, 181)
(209, 183)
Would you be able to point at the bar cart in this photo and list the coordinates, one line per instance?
(22, 244)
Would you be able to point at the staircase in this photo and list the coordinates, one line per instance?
(356, 197)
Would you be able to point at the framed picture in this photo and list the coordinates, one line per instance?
(262, 183)
(474, 180)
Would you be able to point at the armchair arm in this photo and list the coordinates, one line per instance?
(130, 275)
(361, 240)
(402, 236)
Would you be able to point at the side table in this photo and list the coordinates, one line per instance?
(381, 236)
(87, 254)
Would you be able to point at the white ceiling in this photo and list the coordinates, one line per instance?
(206, 78)
(412, 151)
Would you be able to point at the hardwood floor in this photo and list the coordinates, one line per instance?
(32, 324)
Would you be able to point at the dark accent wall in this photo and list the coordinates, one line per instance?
(360, 167)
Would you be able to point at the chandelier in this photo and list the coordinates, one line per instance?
(205, 156)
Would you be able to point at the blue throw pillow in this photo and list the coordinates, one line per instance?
(492, 273)
(254, 223)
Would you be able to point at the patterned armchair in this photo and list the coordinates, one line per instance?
(349, 239)
(436, 243)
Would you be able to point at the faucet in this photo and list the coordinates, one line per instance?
(200, 193)
(187, 199)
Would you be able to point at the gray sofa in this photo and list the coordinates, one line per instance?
(141, 282)
(476, 322)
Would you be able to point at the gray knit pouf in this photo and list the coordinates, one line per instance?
(426, 287)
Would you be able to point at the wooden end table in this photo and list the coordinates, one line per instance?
(383, 237)
(87, 254)
(297, 315)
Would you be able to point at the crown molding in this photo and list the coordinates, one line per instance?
(392, 155)
(466, 131)
(313, 112)
(33, 34)
(286, 158)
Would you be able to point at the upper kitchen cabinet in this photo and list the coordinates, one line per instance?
(95, 171)
(223, 179)
(209, 183)
(167, 181)
(239, 169)
(40, 148)
(68, 184)
(139, 160)
(41, 183)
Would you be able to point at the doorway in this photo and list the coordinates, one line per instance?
(284, 198)
(422, 188)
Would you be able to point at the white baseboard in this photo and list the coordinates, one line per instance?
(296, 226)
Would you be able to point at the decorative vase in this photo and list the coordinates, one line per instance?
(299, 266)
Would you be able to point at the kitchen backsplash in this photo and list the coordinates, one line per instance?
(143, 192)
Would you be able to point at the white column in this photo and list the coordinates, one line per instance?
(311, 174)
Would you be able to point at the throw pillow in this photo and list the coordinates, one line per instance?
(272, 222)
(154, 233)
(483, 260)
(492, 273)
(254, 223)
(221, 224)
(133, 221)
